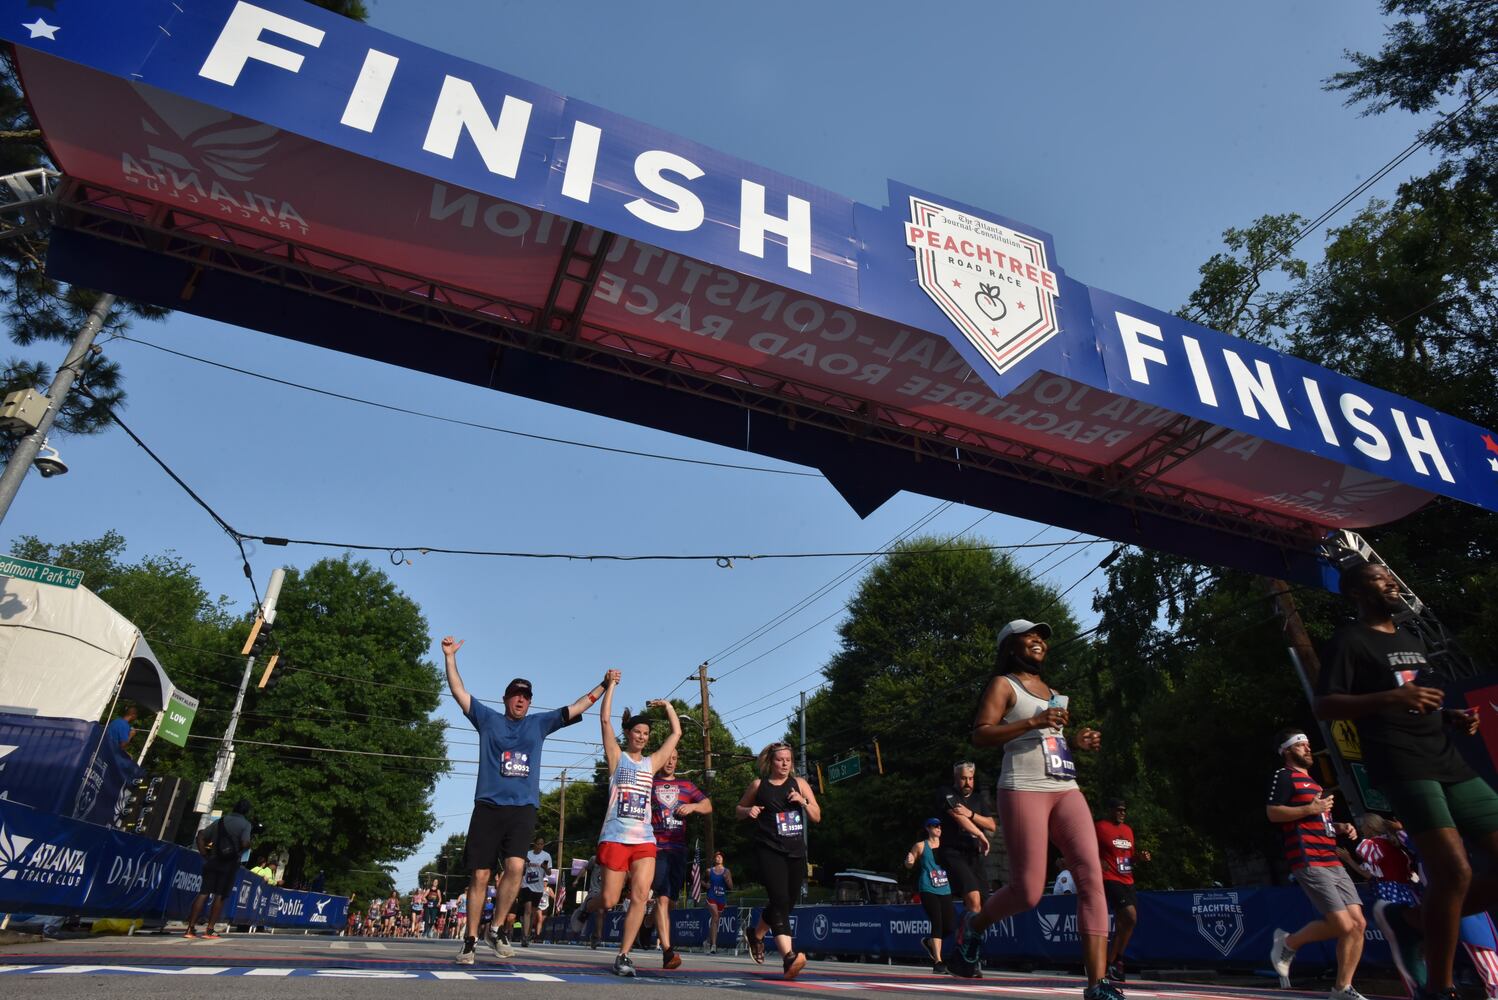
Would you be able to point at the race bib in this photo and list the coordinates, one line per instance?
(789, 823)
(1123, 864)
(514, 764)
(633, 805)
(938, 878)
(1058, 762)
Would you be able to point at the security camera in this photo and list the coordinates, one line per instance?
(49, 463)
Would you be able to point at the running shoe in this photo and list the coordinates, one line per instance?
(1450, 993)
(624, 967)
(793, 964)
(1348, 992)
(593, 943)
(210, 936)
(467, 955)
(1103, 990)
(756, 947)
(1281, 955)
(969, 941)
(525, 942)
(502, 947)
(1115, 973)
(671, 960)
(939, 969)
(1403, 941)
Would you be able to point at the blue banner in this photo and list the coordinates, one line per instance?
(59, 865)
(65, 766)
(1219, 928)
(991, 286)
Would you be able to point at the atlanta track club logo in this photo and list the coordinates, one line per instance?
(991, 281)
(12, 848)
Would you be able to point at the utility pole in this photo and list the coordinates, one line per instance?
(803, 732)
(707, 752)
(212, 788)
(562, 848)
(57, 393)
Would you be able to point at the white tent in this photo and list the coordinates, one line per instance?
(62, 652)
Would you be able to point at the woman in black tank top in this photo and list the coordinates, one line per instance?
(781, 804)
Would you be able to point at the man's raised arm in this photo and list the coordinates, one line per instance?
(450, 647)
(577, 708)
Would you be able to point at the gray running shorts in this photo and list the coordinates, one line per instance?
(1329, 889)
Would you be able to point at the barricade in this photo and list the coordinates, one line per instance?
(56, 865)
(1209, 929)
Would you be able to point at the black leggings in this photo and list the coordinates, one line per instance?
(939, 912)
(782, 876)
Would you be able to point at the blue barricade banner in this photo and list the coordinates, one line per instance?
(59, 865)
(63, 766)
(1218, 928)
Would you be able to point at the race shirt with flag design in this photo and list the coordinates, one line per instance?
(671, 829)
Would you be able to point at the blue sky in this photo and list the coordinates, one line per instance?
(1133, 133)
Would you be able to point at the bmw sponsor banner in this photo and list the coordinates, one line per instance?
(55, 864)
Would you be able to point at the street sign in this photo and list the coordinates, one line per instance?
(1372, 797)
(848, 767)
(25, 569)
(1345, 735)
(177, 722)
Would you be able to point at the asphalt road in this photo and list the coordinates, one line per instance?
(297, 967)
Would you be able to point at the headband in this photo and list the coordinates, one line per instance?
(1292, 740)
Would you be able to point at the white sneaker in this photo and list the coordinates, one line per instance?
(1280, 955)
(1346, 993)
(501, 946)
(466, 956)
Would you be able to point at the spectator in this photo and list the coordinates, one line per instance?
(121, 730)
(221, 844)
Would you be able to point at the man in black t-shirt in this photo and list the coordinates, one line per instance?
(1377, 675)
(962, 853)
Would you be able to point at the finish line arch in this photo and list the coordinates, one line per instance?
(275, 166)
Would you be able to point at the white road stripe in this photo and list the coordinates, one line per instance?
(374, 946)
(270, 972)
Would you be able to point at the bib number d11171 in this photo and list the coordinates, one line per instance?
(1058, 762)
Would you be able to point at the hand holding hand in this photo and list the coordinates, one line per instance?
(612, 677)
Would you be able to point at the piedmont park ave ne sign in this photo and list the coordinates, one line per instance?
(279, 167)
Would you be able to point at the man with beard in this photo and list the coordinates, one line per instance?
(962, 852)
(1377, 675)
(1303, 812)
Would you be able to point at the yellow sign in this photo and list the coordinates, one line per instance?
(1346, 736)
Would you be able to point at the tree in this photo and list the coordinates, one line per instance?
(447, 867)
(916, 650)
(341, 758)
(41, 310)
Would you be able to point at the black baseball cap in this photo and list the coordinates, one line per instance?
(518, 686)
(1117, 804)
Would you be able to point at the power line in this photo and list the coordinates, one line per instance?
(467, 423)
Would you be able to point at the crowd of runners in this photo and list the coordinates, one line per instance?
(1375, 675)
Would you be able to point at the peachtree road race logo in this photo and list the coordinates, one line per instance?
(205, 157)
(1219, 919)
(991, 281)
(47, 864)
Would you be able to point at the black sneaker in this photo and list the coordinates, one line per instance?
(1104, 990)
(1115, 973)
(624, 967)
(939, 969)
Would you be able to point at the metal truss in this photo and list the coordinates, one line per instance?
(560, 329)
(26, 201)
(1346, 549)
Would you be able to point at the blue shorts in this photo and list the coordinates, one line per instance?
(670, 873)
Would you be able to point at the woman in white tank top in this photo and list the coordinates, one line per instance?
(1039, 803)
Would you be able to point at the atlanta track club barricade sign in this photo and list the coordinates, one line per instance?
(1216, 928)
(55, 865)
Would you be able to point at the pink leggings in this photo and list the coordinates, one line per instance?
(1030, 820)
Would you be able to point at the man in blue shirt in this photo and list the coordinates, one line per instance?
(122, 729)
(508, 792)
